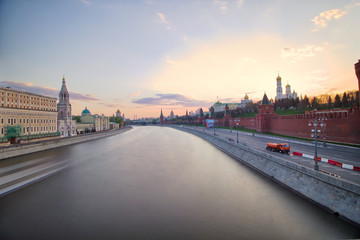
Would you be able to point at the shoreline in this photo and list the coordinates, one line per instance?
(23, 149)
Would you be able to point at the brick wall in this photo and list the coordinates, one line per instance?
(342, 125)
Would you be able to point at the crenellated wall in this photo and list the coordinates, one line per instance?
(341, 125)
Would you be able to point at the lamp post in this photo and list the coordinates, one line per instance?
(214, 128)
(252, 124)
(315, 134)
(237, 132)
(323, 126)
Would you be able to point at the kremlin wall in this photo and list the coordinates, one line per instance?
(341, 125)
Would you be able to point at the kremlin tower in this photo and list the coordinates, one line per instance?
(161, 117)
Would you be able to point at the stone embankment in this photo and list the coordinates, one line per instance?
(336, 195)
(21, 149)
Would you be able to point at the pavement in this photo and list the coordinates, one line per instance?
(343, 154)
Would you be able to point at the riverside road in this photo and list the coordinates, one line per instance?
(344, 154)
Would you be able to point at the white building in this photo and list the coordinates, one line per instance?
(66, 126)
(279, 92)
(220, 107)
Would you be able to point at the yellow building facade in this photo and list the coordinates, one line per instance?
(24, 115)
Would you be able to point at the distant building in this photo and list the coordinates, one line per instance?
(118, 113)
(26, 115)
(279, 92)
(66, 126)
(114, 125)
(220, 107)
(92, 123)
(172, 115)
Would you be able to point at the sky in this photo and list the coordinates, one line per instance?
(147, 55)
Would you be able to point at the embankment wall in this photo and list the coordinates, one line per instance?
(21, 149)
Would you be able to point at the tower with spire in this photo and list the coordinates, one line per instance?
(279, 94)
(66, 125)
(161, 117)
(265, 113)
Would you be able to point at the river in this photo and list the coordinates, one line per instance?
(159, 183)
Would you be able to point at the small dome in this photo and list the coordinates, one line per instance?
(278, 78)
(246, 97)
(85, 111)
(287, 85)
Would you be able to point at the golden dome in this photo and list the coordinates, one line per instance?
(246, 97)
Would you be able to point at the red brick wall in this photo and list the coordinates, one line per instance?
(342, 125)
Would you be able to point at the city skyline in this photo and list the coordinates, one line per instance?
(143, 56)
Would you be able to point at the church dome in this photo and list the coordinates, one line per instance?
(246, 97)
(287, 85)
(85, 111)
(278, 78)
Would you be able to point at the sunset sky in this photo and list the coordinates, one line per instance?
(147, 55)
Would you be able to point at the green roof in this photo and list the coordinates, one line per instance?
(265, 100)
(85, 111)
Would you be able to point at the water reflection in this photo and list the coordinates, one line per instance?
(159, 183)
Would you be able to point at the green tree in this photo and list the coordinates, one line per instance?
(77, 119)
(315, 103)
(329, 101)
(118, 120)
(306, 102)
(337, 101)
(345, 100)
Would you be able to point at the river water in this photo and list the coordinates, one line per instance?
(160, 183)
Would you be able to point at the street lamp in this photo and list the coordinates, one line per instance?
(323, 126)
(237, 132)
(252, 123)
(214, 128)
(315, 134)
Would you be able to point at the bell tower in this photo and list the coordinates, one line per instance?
(64, 112)
(279, 93)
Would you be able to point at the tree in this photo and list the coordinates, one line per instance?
(329, 101)
(337, 102)
(315, 103)
(77, 119)
(345, 100)
(118, 120)
(306, 102)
